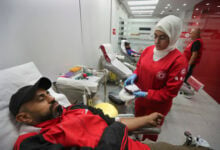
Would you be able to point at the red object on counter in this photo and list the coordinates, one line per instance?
(84, 75)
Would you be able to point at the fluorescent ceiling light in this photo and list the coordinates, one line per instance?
(143, 11)
(184, 4)
(142, 15)
(148, 2)
(142, 7)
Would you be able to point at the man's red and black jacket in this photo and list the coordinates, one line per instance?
(79, 127)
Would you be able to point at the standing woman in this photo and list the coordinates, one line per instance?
(160, 71)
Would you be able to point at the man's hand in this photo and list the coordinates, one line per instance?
(155, 119)
(151, 120)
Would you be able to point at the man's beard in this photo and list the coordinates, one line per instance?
(57, 111)
(53, 113)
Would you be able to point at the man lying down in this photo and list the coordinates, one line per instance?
(77, 126)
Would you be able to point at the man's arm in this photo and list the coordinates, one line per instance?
(193, 57)
(195, 51)
(153, 119)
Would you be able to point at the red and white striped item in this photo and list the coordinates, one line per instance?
(197, 85)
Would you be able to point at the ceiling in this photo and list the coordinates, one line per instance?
(161, 8)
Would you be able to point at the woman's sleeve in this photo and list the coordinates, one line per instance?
(176, 76)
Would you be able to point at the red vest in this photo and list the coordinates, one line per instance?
(187, 52)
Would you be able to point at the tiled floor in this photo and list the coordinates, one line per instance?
(199, 115)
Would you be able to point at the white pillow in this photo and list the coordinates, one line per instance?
(10, 81)
(123, 46)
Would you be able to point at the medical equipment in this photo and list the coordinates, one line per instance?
(110, 62)
(124, 101)
(131, 88)
(11, 80)
(125, 96)
(127, 93)
(82, 85)
(195, 141)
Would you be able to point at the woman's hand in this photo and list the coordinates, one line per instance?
(140, 94)
(130, 80)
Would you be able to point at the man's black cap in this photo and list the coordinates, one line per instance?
(26, 94)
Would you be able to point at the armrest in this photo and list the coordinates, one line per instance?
(147, 130)
(125, 115)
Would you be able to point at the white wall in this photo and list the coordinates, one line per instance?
(95, 28)
(118, 11)
(54, 34)
(46, 32)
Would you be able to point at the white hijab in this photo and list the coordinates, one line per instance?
(171, 25)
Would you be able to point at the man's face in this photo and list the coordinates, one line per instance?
(127, 46)
(161, 40)
(194, 34)
(43, 107)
